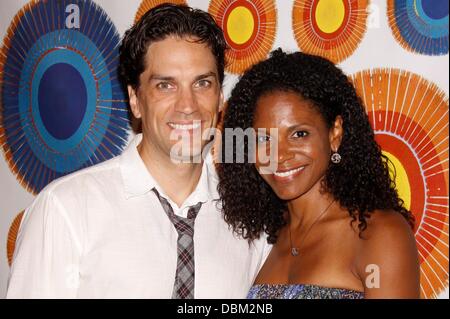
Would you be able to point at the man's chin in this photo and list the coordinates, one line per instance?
(187, 154)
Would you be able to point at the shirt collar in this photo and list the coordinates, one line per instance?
(138, 180)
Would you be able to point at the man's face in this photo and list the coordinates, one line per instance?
(179, 95)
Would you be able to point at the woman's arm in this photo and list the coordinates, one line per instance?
(388, 261)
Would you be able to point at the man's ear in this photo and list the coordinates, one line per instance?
(336, 133)
(221, 101)
(134, 104)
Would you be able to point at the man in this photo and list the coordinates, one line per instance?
(129, 227)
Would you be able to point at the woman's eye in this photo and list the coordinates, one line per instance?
(301, 134)
(263, 139)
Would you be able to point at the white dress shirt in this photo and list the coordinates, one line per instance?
(102, 233)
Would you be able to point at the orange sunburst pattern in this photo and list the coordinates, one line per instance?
(12, 236)
(249, 28)
(410, 118)
(329, 28)
(149, 4)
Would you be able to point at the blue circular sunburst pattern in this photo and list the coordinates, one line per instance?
(420, 26)
(62, 107)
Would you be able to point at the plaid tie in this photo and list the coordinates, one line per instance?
(185, 275)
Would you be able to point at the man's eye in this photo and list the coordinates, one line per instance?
(263, 139)
(164, 86)
(203, 84)
(301, 134)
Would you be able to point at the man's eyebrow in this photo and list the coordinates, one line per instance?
(206, 75)
(161, 77)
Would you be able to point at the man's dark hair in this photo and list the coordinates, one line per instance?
(161, 22)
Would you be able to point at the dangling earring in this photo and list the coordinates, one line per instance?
(336, 158)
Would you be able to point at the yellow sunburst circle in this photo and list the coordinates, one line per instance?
(240, 25)
(329, 28)
(400, 176)
(249, 28)
(12, 237)
(410, 118)
(330, 15)
(149, 4)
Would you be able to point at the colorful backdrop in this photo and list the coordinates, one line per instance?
(62, 109)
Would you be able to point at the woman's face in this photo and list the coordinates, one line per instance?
(305, 143)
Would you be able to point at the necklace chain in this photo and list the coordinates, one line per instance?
(296, 250)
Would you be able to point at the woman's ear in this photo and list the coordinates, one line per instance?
(133, 99)
(336, 133)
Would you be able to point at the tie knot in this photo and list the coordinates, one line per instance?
(184, 226)
(193, 210)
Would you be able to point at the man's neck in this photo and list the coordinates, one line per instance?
(177, 180)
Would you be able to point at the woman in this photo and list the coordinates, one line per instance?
(328, 206)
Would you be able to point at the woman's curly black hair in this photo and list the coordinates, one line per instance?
(360, 182)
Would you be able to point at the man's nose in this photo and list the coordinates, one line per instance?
(186, 102)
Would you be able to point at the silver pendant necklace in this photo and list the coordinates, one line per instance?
(295, 251)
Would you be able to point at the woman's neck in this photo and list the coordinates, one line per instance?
(305, 209)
